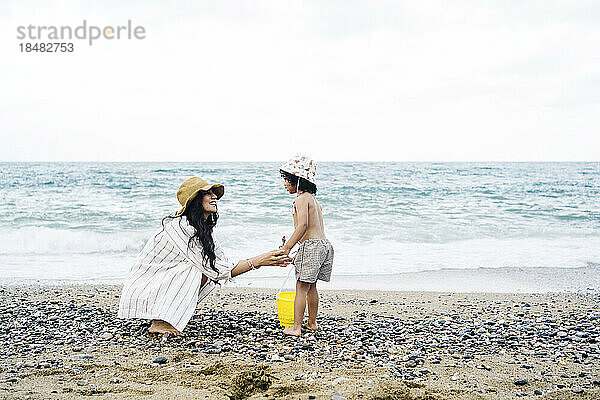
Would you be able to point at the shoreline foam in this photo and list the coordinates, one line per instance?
(480, 280)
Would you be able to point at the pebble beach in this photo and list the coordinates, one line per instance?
(66, 342)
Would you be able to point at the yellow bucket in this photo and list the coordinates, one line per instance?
(285, 308)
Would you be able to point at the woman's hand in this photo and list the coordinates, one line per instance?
(275, 257)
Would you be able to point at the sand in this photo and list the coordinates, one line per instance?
(66, 342)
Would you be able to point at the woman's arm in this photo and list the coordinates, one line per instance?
(275, 257)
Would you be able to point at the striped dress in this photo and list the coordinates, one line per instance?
(165, 282)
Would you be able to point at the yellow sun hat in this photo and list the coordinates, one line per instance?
(190, 188)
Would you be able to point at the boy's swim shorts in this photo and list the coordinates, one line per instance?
(314, 260)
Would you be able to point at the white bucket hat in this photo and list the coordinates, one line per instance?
(301, 166)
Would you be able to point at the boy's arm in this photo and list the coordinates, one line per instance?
(301, 223)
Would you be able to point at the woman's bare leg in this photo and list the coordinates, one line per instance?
(160, 326)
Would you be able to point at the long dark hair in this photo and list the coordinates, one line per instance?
(194, 212)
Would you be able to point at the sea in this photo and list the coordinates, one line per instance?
(463, 227)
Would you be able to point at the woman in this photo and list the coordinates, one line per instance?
(182, 263)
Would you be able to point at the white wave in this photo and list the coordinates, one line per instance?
(45, 253)
(42, 240)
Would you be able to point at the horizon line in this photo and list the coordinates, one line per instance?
(318, 161)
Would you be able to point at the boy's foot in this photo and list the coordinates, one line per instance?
(290, 331)
(311, 327)
(163, 327)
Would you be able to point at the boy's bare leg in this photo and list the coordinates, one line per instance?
(313, 306)
(299, 306)
(160, 326)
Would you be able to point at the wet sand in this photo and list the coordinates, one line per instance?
(66, 342)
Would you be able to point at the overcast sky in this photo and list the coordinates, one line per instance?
(340, 80)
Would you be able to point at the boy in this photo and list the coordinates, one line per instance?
(314, 258)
